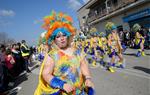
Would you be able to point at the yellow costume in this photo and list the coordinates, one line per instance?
(68, 71)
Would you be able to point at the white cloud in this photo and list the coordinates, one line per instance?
(85, 1)
(8, 13)
(74, 4)
(4, 17)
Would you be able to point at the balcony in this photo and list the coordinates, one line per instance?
(112, 7)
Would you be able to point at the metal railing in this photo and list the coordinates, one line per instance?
(111, 8)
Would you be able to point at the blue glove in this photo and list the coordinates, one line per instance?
(57, 83)
(91, 91)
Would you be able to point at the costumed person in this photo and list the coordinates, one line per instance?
(114, 46)
(102, 43)
(87, 45)
(87, 50)
(80, 43)
(97, 51)
(43, 47)
(77, 44)
(63, 72)
(139, 39)
(92, 52)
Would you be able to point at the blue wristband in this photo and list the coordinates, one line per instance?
(91, 91)
(57, 83)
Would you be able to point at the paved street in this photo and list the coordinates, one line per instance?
(133, 80)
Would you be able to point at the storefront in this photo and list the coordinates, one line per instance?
(142, 17)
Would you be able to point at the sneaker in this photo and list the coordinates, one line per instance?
(138, 54)
(93, 63)
(111, 69)
(28, 71)
(113, 65)
(143, 53)
(121, 66)
(118, 63)
(11, 84)
(102, 63)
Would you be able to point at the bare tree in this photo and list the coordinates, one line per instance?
(4, 38)
(10, 41)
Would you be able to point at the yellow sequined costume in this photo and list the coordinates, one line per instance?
(66, 68)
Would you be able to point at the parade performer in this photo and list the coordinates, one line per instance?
(114, 45)
(87, 46)
(102, 43)
(139, 39)
(63, 72)
(43, 47)
(87, 50)
(93, 55)
(77, 44)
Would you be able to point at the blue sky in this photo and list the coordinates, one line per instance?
(22, 19)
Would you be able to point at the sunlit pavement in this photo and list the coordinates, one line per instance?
(133, 80)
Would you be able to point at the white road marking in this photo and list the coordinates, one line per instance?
(14, 90)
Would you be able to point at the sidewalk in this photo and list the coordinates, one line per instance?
(20, 79)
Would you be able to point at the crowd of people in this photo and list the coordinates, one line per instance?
(99, 45)
(14, 59)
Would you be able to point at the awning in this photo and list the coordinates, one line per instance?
(140, 14)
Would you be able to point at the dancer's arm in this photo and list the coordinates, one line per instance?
(109, 40)
(48, 68)
(85, 71)
(119, 42)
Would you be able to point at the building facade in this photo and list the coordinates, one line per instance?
(124, 13)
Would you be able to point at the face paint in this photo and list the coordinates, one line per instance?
(57, 31)
(61, 40)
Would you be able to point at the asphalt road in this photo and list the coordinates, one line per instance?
(133, 80)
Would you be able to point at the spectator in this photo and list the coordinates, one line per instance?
(25, 54)
(10, 66)
(3, 74)
(17, 56)
(127, 38)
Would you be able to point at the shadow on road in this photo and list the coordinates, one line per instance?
(36, 66)
(148, 54)
(13, 91)
(21, 79)
(130, 54)
(146, 70)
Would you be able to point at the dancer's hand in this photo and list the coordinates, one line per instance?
(89, 83)
(68, 88)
